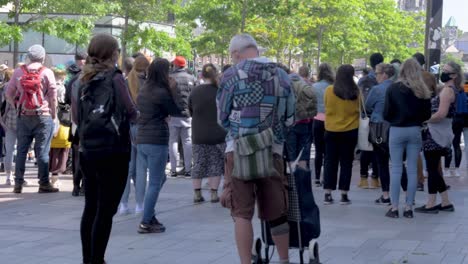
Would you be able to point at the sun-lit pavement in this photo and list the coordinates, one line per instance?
(44, 228)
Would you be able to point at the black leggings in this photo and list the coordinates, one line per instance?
(457, 132)
(104, 180)
(319, 142)
(435, 181)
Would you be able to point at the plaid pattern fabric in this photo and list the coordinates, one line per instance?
(253, 156)
(294, 212)
(255, 96)
(10, 117)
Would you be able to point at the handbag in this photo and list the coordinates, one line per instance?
(363, 131)
(253, 156)
(378, 133)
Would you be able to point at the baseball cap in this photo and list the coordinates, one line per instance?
(36, 52)
(179, 61)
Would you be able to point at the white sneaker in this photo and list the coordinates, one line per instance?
(447, 172)
(123, 209)
(456, 172)
(139, 208)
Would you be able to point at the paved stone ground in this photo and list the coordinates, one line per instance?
(44, 228)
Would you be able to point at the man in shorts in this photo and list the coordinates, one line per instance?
(255, 95)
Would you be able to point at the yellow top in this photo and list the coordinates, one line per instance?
(340, 115)
(61, 139)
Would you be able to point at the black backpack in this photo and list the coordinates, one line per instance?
(103, 127)
(64, 114)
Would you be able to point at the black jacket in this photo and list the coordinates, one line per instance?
(185, 84)
(403, 108)
(155, 105)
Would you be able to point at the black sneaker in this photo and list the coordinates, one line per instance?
(421, 187)
(173, 174)
(188, 175)
(153, 227)
(344, 199)
(383, 201)
(408, 213)
(318, 183)
(18, 188)
(47, 188)
(447, 208)
(76, 191)
(392, 214)
(424, 210)
(2, 167)
(328, 199)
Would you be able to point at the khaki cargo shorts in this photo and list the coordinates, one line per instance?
(270, 193)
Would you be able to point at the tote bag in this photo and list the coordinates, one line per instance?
(363, 132)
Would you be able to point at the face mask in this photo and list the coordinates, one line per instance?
(445, 77)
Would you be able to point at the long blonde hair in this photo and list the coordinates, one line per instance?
(139, 67)
(411, 76)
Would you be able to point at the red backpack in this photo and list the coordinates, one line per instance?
(32, 97)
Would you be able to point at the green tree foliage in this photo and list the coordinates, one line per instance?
(74, 30)
(336, 31)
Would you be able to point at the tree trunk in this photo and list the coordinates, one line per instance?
(15, 42)
(222, 59)
(123, 52)
(290, 57)
(244, 15)
(319, 49)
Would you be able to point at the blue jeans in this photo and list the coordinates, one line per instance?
(40, 129)
(153, 158)
(299, 137)
(132, 168)
(401, 139)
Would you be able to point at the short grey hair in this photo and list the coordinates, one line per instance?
(387, 69)
(242, 41)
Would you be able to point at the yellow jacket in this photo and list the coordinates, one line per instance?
(340, 115)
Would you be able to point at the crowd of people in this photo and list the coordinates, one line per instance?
(112, 128)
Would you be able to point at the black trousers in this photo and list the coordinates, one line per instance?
(319, 142)
(382, 158)
(435, 181)
(104, 180)
(367, 158)
(339, 149)
(77, 174)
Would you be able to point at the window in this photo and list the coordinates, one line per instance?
(56, 45)
(30, 38)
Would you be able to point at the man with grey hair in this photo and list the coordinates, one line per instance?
(255, 104)
(37, 103)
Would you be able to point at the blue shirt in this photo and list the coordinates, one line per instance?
(376, 101)
(319, 89)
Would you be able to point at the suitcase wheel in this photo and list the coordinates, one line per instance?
(314, 252)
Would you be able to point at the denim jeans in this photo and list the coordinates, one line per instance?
(299, 137)
(10, 142)
(401, 139)
(185, 134)
(152, 158)
(465, 138)
(40, 129)
(132, 168)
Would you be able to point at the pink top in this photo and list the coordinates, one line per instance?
(320, 116)
(48, 85)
